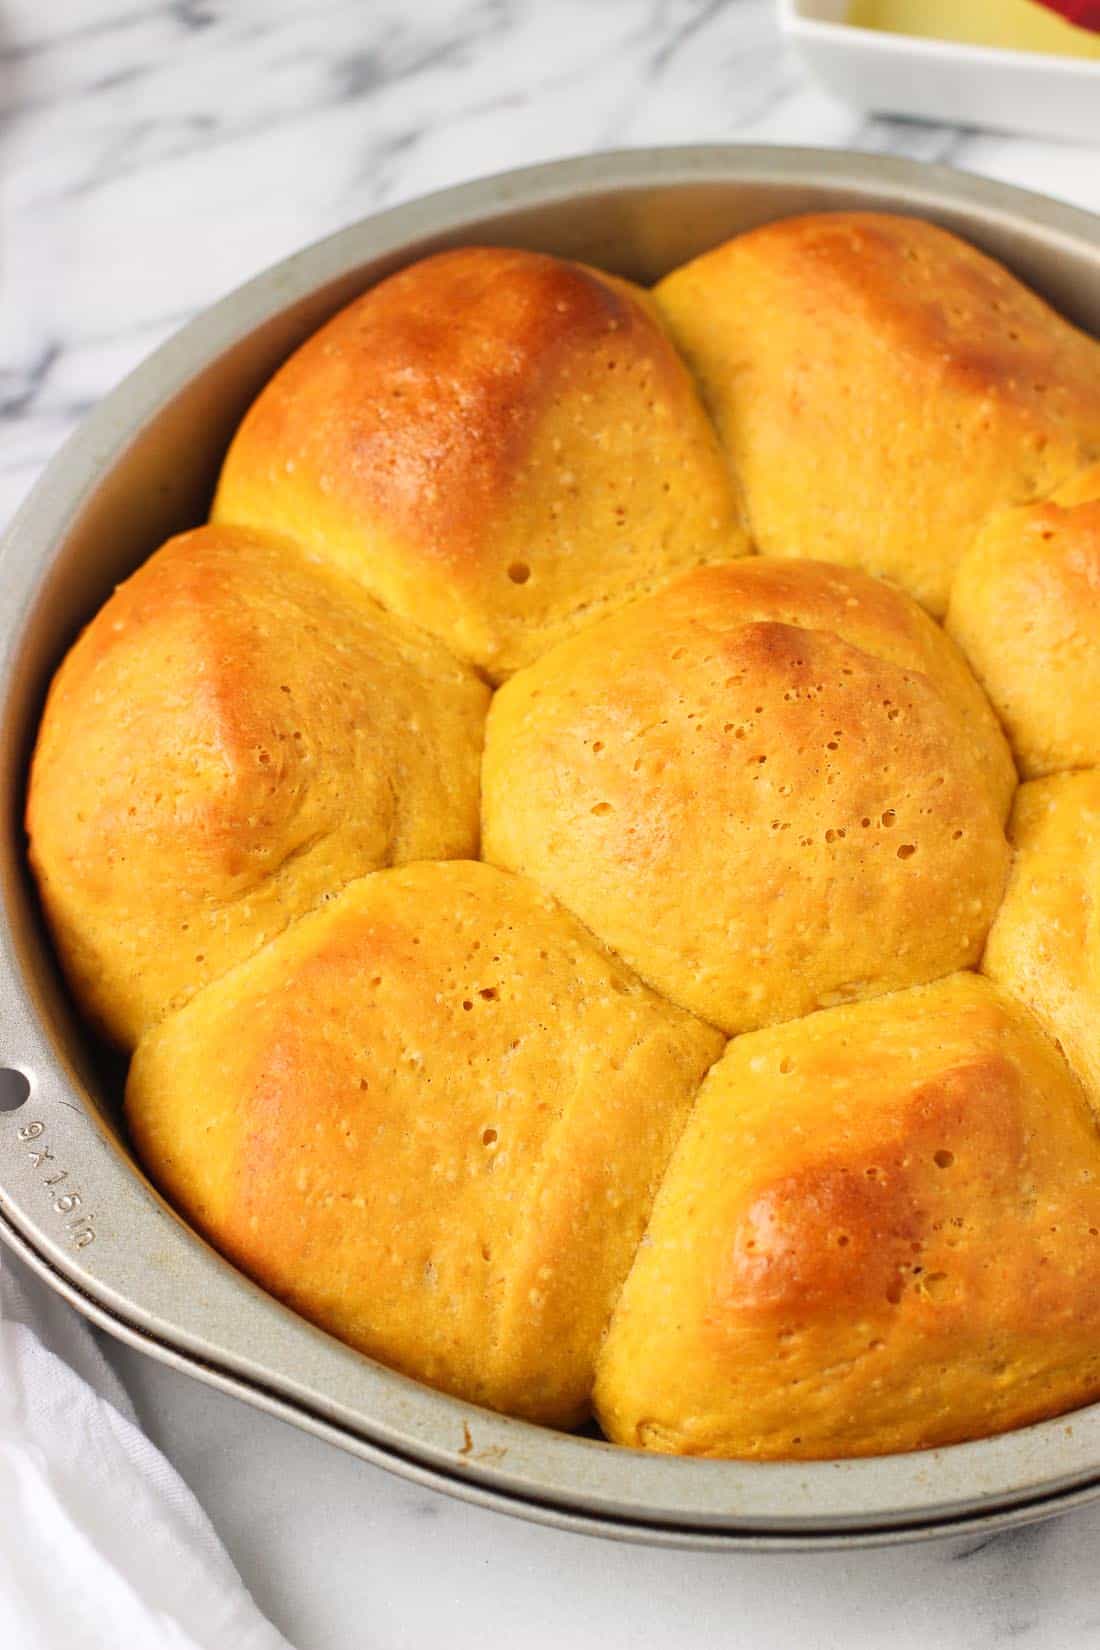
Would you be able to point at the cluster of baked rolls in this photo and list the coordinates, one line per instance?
(544, 842)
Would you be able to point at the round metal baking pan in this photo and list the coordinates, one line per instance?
(143, 466)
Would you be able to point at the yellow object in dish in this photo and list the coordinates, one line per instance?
(235, 735)
(769, 787)
(880, 387)
(499, 444)
(432, 1118)
(1019, 25)
(879, 1232)
(1025, 609)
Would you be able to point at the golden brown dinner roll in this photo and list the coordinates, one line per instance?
(432, 1118)
(479, 1119)
(770, 787)
(880, 1231)
(1025, 608)
(501, 445)
(881, 386)
(1044, 946)
(234, 736)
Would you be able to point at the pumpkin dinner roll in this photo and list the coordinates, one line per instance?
(770, 787)
(499, 444)
(881, 386)
(1044, 946)
(235, 735)
(1025, 608)
(432, 1117)
(880, 1231)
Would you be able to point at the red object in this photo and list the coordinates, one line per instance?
(1085, 13)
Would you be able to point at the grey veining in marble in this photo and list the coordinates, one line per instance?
(155, 153)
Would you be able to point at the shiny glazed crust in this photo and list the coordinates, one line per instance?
(912, 1258)
(433, 1119)
(235, 735)
(482, 1120)
(500, 445)
(768, 787)
(1044, 945)
(880, 387)
(1025, 608)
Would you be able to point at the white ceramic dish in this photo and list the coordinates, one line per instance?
(1029, 92)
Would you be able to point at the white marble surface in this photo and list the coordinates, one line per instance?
(153, 153)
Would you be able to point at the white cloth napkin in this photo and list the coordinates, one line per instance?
(102, 1545)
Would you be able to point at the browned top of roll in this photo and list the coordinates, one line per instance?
(497, 443)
